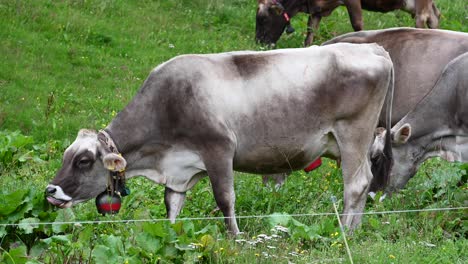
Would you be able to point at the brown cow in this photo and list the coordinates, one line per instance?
(273, 16)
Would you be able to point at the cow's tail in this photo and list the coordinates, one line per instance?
(382, 162)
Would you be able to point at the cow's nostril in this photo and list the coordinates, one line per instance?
(50, 190)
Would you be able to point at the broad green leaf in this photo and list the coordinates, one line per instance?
(37, 249)
(17, 255)
(155, 229)
(33, 261)
(64, 215)
(102, 254)
(61, 239)
(133, 260)
(279, 219)
(148, 243)
(115, 244)
(208, 229)
(86, 234)
(28, 224)
(11, 201)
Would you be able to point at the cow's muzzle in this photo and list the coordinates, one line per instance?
(56, 196)
(59, 203)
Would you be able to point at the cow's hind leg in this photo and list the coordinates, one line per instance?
(221, 175)
(356, 186)
(357, 175)
(174, 202)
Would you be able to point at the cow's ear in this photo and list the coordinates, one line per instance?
(402, 135)
(114, 162)
(277, 7)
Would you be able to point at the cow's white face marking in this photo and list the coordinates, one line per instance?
(85, 141)
(59, 194)
(379, 143)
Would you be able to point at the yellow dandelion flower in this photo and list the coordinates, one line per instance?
(391, 256)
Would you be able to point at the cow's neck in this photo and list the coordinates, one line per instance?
(433, 116)
(134, 126)
(435, 129)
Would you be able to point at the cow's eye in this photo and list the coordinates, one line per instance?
(85, 162)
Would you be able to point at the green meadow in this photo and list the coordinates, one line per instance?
(74, 64)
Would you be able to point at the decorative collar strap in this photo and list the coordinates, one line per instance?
(107, 141)
(116, 180)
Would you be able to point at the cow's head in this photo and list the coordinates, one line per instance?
(84, 173)
(405, 159)
(271, 21)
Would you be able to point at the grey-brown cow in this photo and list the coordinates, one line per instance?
(273, 16)
(419, 56)
(436, 127)
(257, 112)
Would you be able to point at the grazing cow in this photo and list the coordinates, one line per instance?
(273, 16)
(436, 127)
(419, 56)
(257, 112)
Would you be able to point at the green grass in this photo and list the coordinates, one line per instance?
(67, 65)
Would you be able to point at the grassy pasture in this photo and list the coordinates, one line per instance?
(71, 64)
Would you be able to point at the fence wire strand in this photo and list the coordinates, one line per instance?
(127, 221)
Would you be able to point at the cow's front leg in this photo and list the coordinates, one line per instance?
(355, 14)
(312, 26)
(174, 202)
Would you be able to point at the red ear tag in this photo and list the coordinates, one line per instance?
(286, 16)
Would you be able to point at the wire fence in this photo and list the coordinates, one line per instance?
(125, 221)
